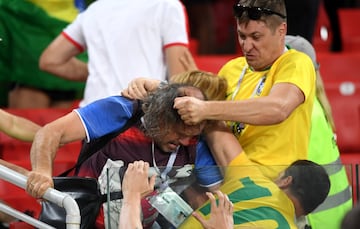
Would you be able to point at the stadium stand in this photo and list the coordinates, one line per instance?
(342, 85)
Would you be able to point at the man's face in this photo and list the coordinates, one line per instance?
(179, 135)
(260, 45)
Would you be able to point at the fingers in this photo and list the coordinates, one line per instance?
(136, 89)
(139, 167)
(188, 109)
(138, 171)
(228, 204)
(37, 184)
(212, 200)
(200, 219)
(224, 202)
(152, 181)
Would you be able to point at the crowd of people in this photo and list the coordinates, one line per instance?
(257, 137)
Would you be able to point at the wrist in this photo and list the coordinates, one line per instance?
(131, 198)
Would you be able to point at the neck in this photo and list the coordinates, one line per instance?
(298, 208)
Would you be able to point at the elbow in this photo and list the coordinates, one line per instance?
(279, 114)
(282, 116)
(43, 64)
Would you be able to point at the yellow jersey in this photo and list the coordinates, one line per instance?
(280, 144)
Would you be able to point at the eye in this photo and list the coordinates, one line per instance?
(256, 37)
(242, 37)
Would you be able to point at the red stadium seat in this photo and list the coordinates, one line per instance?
(342, 85)
(348, 23)
(212, 63)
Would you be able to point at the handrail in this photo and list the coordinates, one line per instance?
(22, 216)
(73, 217)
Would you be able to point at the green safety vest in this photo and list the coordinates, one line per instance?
(324, 150)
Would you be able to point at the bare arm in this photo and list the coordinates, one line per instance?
(17, 127)
(43, 150)
(173, 54)
(14, 167)
(59, 58)
(222, 143)
(188, 61)
(267, 110)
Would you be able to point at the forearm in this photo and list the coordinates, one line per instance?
(74, 69)
(130, 214)
(23, 129)
(43, 150)
(173, 55)
(255, 111)
(17, 127)
(222, 143)
(14, 167)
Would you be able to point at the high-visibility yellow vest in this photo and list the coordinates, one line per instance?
(324, 150)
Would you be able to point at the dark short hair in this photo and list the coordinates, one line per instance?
(273, 5)
(310, 183)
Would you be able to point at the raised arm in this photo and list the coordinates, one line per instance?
(130, 215)
(267, 110)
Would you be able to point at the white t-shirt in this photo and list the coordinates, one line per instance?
(126, 39)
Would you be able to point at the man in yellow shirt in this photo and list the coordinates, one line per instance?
(270, 93)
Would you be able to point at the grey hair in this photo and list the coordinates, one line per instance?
(159, 112)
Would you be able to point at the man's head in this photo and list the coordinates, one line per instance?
(307, 182)
(163, 123)
(261, 27)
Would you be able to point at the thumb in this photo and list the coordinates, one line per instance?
(152, 182)
(199, 218)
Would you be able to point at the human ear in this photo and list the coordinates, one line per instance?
(283, 29)
(285, 182)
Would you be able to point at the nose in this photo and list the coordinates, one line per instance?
(245, 45)
(185, 141)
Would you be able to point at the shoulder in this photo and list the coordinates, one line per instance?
(111, 104)
(295, 57)
(233, 64)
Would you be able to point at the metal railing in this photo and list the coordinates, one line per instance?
(73, 217)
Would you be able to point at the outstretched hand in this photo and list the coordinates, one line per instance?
(221, 215)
